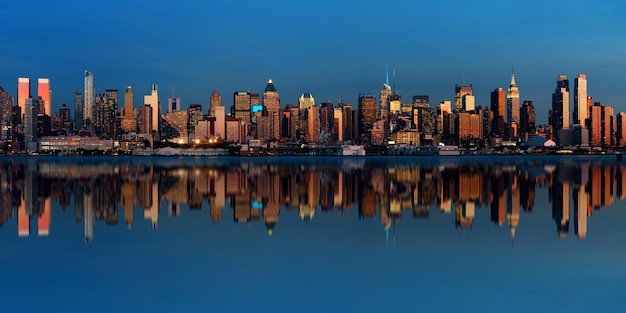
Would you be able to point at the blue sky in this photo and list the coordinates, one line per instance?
(329, 48)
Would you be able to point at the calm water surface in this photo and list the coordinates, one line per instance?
(508, 234)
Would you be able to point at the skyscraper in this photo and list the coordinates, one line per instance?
(128, 124)
(498, 107)
(581, 110)
(153, 100)
(306, 101)
(527, 117)
(173, 104)
(43, 91)
(560, 104)
(78, 111)
(459, 92)
(23, 93)
(90, 97)
(367, 112)
(216, 101)
(512, 102)
(242, 103)
(271, 100)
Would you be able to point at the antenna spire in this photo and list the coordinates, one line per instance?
(173, 92)
(393, 89)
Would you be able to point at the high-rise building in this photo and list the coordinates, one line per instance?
(30, 123)
(327, 120)
(6, 114)
(313, 124)
(23, 93)
(65, 117)
(385, 98)
(498, 107)
(306, 101)
(220, 121)
(153, 100)
(512, 102)
(216, 101)
(581, 110)
(89, 97)
(271, 99)
(242, 106)
(443, 108)
(173, 105)
(468, 103)
(195, 116)
(527, 117)
(78, 111)
(459, 92)
(43, 91)
(620, 123)
(560, 104)
(367, 112)
(338, 125)
(128, 123)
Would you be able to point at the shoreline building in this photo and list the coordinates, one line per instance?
(459, 92)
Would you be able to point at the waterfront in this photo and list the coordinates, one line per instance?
(312, 234)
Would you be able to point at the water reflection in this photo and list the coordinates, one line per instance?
(257, 190)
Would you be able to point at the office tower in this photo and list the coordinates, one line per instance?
(43, 91)
(78, 111)
(271, 100)
(313, 124)
(621, 129)
(23, 93)
(459, 92)
(6, 114)
(220, 122)
(30, 123)
(145, 119)
(581, 110)
(395, 104)
(527, 117)
(89, 97)
(385, 98)
(173, 105)
(306, 101)
(195, 116)
(498, 107)
(443, 108)
(216, 101)
(128, 123)
(468, 103)
(338, 125)
(468, 126)
(65, 117)
(513, 102)
(153, 101)
(367, 112)
(233, 130)
(242, 106)
(601, 125)
(327, 120)
(560, 104)
(421, 101)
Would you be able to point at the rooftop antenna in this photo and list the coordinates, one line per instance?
(173, 92)
(393, 89)
(387, 75)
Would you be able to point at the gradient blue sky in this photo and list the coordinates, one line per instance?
(327, 47)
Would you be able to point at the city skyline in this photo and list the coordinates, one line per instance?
(429, 51)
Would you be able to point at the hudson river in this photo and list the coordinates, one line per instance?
(306, 234)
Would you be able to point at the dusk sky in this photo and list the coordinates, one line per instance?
(328, 48)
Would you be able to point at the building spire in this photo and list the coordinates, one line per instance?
(387, 75)
(513, 75)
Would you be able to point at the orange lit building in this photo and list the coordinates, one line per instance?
(43, 91)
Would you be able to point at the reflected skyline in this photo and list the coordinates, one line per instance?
(112, 192)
